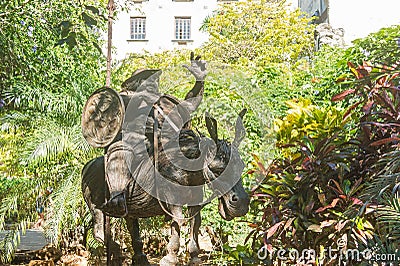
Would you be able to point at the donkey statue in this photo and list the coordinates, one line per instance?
(150, 173)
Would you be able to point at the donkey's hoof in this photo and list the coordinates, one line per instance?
(169, 260)
(195, 261)
(140, 260)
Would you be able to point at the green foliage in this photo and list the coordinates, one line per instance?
(258, 34)
(329, 65)
(50, 64)
(66, 210)
(6, 184)
(334, 183)
(40, 45)
(380, 47)
(309, 198)
(319, 77)
(304, 120)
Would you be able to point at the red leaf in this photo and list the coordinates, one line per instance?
(353, 70)
(271, 231)
(395, 75)
(337, 186)
(253, 225)
(384, 141)
(342, 95)
(339, 226)
(356, 201)
(262, 168)
(260, 195)
(288, 223)
(341, 79)
(367, 107)
(354, 106)
(251, 171)
(332, 205)
(350, 65)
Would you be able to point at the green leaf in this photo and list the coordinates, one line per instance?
(89, 21)
(93, 9)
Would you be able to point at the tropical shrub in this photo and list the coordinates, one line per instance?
(257, 34)
(329, 65)
(375, 88)
(308, 199)
(50, 64)
(336, 182)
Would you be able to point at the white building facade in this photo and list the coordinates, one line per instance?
(158, 25)
(357, 18)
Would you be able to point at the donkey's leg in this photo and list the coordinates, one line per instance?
(98, 233)
(194, 248)
(171, 258)
(139, 257)
(98, 224)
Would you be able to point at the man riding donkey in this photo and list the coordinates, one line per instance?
(102, 126)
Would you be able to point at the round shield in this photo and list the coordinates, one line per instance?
(102, 117)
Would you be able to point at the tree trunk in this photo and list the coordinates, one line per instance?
(111, 8)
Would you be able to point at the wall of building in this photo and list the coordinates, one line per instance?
(358, 18)
(160, 25)
(311, 6)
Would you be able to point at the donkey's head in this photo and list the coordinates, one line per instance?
(226, 169)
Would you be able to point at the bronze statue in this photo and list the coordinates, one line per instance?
(154, 164)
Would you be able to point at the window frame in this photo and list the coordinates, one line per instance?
(141, 31)
(181, 36)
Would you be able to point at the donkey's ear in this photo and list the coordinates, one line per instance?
(240, 131)
(211, 125)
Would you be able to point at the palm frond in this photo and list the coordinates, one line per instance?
(11, 239)
(66, 208)
(8, 207)
(56, 104)
(389, 216)
(53, 142)
(13, 120)
(387, 178)
(8, 246)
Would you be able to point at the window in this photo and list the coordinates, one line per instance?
(182, 28)
(138, 28)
